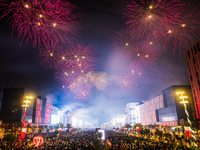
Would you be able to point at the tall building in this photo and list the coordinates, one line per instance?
(41, 111)
(37, 110)
(2, 79)
(54, 119)
(192, 56)
(11, 110)
(130, 112)
(173, 111)
(166, 108)
(44, 112)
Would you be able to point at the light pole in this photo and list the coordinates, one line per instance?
(25, 105)
(182, 97)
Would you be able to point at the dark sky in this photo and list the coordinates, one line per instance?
(100, 22)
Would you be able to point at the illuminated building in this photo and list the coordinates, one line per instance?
(148, 110)
(37, 109)
(44, 112)
(54, 114)
(192, 56)
(166, 109)
(119, 121)
(12, 110)
(130, 112)
(137, 112)
(173, 110)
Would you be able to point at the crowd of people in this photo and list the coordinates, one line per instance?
(88, 140)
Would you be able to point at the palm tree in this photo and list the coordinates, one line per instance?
(137, 125)
(146, 131)
(127, 126)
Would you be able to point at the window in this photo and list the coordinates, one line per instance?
(190, 77)
(188, 54)
(198, 82)
(195, 99)
(194, 60)
(188, 64)
(192, 51)
(195, 51)
(189, 70)
(194, 91)
(198, 47)
(197, 74)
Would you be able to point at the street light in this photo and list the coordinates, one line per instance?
(182, 97)
(25, 105)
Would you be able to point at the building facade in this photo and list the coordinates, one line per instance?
(192, 56)
(11, 108)
(173, 111)
(130, 112)
(148, 110)
(37, 111)
(54, 114)
(43, 111)
(166, 109)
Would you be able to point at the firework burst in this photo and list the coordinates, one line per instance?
(45, 22)
(147, 16)
(185, 32)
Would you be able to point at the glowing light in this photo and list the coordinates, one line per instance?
(150, 16)
(51, 54)
(183, 97)
(82, 71)
(180, 92)
(83, 57)
(183, 25)
(138, 54)
(150, 7)
(170, 31)
(147, 56)
(139, 73)
(39, 23)
(79, 65)
(151, 43)
(26, 6)
(78, 59)
(54, 24)
(40, 16)
(75, 56)
(63, 57)
(184, 102)
(63, 86)
(126, 44)
(72, 71)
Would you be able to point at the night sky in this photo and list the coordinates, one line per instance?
(100, 23)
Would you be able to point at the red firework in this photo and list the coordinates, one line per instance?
(45, 22)
(51, 57)
(70, 62)
(147, 16)
(143, 52)
(185, 32)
